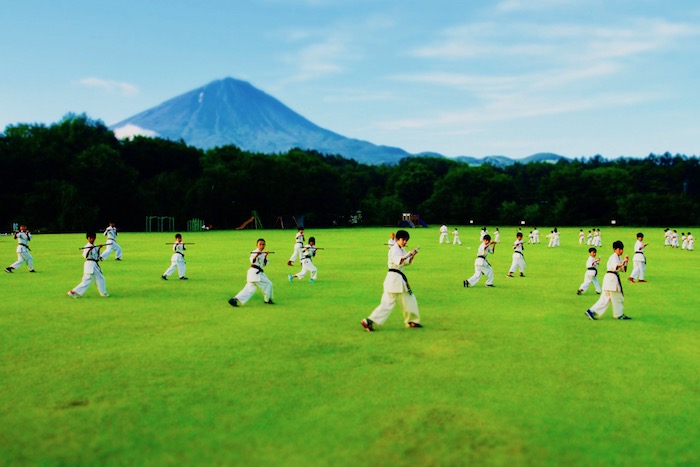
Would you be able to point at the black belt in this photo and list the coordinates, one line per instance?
(618, 279)
(25, 246)
(255, 266)
(520, 253)
(179, 253)
(405, 279)
(593, 269)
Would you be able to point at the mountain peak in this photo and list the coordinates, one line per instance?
(231, 111)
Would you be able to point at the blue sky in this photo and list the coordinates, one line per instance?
(458, 77)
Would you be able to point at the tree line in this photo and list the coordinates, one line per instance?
(75, 174)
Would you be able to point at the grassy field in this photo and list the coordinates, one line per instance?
(164, 373)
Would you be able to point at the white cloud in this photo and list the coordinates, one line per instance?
(509, 6)
(129, 131)
(125, 89)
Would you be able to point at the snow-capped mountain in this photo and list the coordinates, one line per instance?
(230, 111)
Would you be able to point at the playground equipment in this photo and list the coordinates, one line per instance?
(195, 225)
(159, 221)
(299, 223)
(411, 220)
(252, 222)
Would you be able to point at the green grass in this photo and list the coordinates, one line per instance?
(168, 373)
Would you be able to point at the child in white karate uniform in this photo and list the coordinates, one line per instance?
(396, 288)
(612, 286)
(518, 257)
(481, 265)
(307, 264)
(639, 260)
(23, 237)
(91, 269)
(255, 277)
(591, 276)
(111, 234)
(177, 260)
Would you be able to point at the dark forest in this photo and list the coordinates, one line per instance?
(74, 175)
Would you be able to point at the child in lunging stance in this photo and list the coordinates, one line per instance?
(111, 234)
(307, 265)
(591, 276)
(23, 237)
(396, 288)
(177, 260)
(612, 286)
(639, 260)
(518, 258)
(91, 269)
(298, 245)
(255, 277)
(481, 266)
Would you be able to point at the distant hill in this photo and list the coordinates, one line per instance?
(233, 112)
(504, 161)
(230, 111)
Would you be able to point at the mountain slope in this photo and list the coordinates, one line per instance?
(231, 111)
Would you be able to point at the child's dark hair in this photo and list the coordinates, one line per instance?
(260, 240)
(640, 234)
(519, 235)
(402, 234)
(90, 234)
(618, 244)
(591, 250)
(312, 239)
(178, 235)
(487, 237)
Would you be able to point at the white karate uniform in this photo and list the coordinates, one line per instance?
(674, 239)
(612, 289)
(581, 237)
(111, 234)
(639, 261)
(456, 240)
(177, 261)
(396, 289)
(298, 245)
(691, 242)
(518, 258)
(482, 266)
(684, 242)
(91, 272)
(443, 235)
(256, 278)
(536, 236)
(591, 276)
(23, 253)
(667, 238)
(307, 265)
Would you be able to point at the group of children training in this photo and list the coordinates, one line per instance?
(687, 240)
(396, 286)
(91, 268)
(257, 279)
(444, 239)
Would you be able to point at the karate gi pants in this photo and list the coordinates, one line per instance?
(407, 302)
(607, 297)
